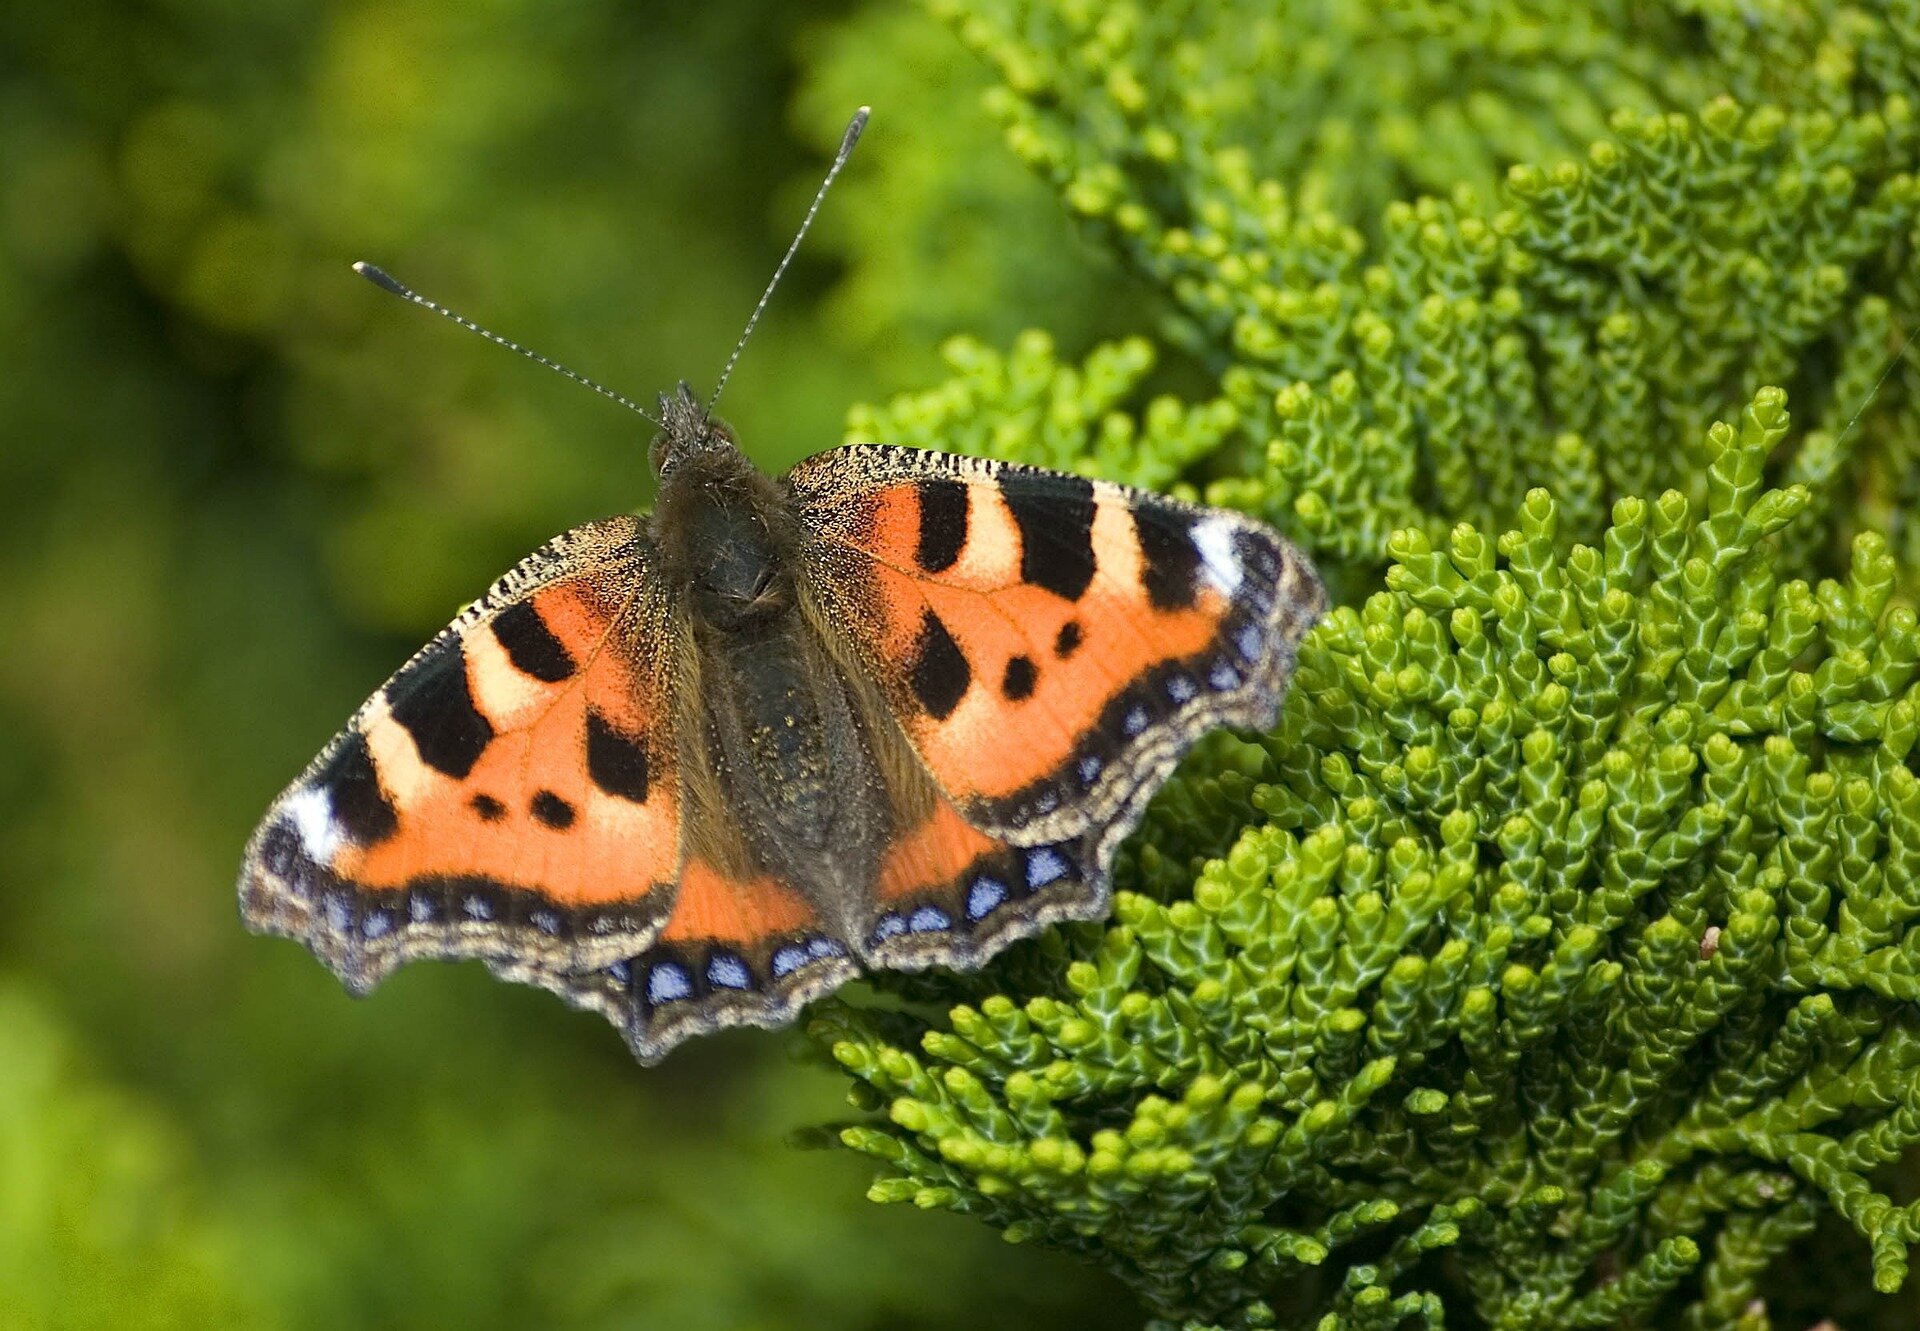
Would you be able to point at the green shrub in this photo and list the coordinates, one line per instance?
(1552, 962)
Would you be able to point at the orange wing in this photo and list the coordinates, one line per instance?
(1050, 645)
(510, 793)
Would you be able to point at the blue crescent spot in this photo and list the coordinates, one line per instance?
(478, 908)
(822, 948)
(1181, 689)
(787, 960)
(420, 909)
(668, 982)
(1044, 866)
(621, 973)
(1248, 641)
(929, 919)
(1135, 720)
(545, 921)
(1047, 800)
(1223, 676)
(726, 971)
(376, 924)
(1089, 768)
(889, 925)
(983, 896)
(339, 914)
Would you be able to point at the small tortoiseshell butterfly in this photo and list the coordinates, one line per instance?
(893, 709)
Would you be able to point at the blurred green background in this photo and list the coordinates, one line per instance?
(238, 486)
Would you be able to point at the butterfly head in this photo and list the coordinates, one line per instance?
(687, 429)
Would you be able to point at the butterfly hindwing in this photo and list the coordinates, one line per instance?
(740, 947)
(743, 948)
(949, 894)
(1049, 644)
(509, 793)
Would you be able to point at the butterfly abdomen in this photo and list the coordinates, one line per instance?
(784, 734)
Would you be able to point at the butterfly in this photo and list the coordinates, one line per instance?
(891, 710)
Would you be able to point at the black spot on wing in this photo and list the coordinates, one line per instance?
(1159, 696)
(488, 808)
(616, 763)
(940, 675)
(1055, 517)
(432, 701)
(358, 804)
(550, 809)
(1019, 679)
(943, 523)
(1170, 561)
(531, 645)
(1067, 641)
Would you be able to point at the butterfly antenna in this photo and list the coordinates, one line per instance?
(847, 140)
(385, 281)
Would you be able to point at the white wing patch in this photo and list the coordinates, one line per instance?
(311, 810)
(1220, 562)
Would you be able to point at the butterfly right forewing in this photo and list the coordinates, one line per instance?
(1049, 644)
(1034, 650)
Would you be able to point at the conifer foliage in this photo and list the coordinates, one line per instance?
(1554, 961)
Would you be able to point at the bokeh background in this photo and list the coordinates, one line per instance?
(238, 486)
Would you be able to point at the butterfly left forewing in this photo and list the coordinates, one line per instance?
(510, 793)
